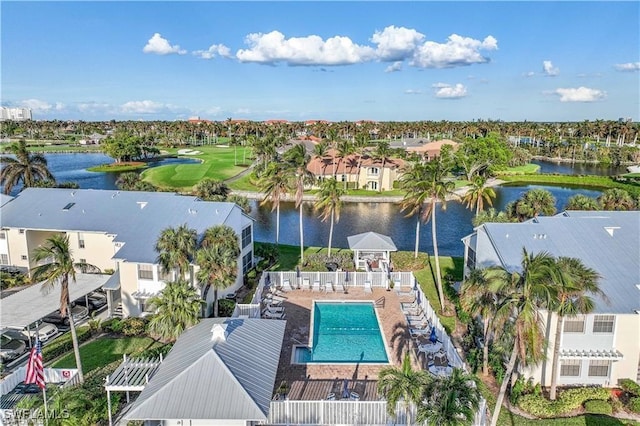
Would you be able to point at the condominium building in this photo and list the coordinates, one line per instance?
(117, 231)
(598, 348)
(16, 114)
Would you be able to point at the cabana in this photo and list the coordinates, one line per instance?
(371, 250)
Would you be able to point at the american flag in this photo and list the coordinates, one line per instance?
(35, 368)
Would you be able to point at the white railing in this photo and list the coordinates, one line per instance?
(400, 280)
(67, 376)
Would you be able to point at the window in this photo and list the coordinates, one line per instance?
(373, 170)
(21, 231)
(80, 240)
(471, 258)
(246, 236)
(373, 186)
(603, 323)
(4, 259)
(164, 276)
(247, 262)
(3, 235)
(145, 272)
(570, 368)
(573, 325)
(23, 257)
(599, 368)
(344, 177)
(145, 307)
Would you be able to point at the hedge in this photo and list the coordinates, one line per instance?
(634, 404)
(596, 406)
(630, 387)
(64, 344)
(567, 401)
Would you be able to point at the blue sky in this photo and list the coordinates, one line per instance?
(387, 61)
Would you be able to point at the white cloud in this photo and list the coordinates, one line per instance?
(310, 50)
(161, 46)
(529, 74)
(213, 51)
(93, 107)
(549, 69)
(413, 92)
(629, 66)
(242, 111)
(396, 43)
(580, 94)
(143, 107)
(457, 51)
(396, 66)
(37, 105)
(447, 91)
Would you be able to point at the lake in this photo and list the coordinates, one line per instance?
(355, 218)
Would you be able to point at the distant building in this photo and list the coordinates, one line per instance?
(15, 114)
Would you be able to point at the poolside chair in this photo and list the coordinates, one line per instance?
(416, 318)
(417, 332)
(316, 286)
(275, 310)
(413, 311)
(286, 285)
(367, 287)
(272, 302)
(328, 287)
(306, 285)
(268, 315)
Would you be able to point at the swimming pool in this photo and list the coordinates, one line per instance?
(343, 332)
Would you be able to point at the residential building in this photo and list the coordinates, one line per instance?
(424, 148)
(117, 230)
(15, 114)
(599, 348)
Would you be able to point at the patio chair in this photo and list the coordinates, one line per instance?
(273, 309)
(272, 302)
(417, 332)
(306, 285)
(269, 315)
(316, 286)
(286, 285)
(413, 311)
(416, 318)
(367, 287)
(328, 287)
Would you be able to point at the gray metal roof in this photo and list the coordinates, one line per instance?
(230, 379)
(34, 302)
(135, 218)
(608, 242)
(4, 199)
(371, 241)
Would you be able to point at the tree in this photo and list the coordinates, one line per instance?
(25, 167)
(176, 248)
(211, 190)
(582, 202)
(274, 184)
(450, 401)
(413, 182)
(60, 268)
(481, 155)
(531, 204)
(573, 282)
(298, 159)
(241, 201)
(491, 215)
(478, 300)
(521, 295)
(616, 199)
(131, 181)
(478, 194)
(402, 384)
(329, 204)
(217, 258)
(123, 146)
(177, 308)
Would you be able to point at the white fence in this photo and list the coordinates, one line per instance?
(67, 376)
(400, 280)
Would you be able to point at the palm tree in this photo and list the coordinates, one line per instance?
(177, 308)
(616, 199)
(329, 204)
(274, 184)
(531, 204)
(241, 201)
(25, 167)
(573, 281)
(211, 190)
(345, 149)
(298, 159)
(402, 384)
(582, 202)
(412, 182)
(521, 295)
(60, 268)
(478, 194)
(217, 258)
(176, 248)
(491, 215)
(478, 300)
(451, 401)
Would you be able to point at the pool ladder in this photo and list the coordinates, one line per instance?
(379, 303)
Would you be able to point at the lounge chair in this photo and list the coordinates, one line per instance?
(417, 332)
(419, 323)
(413, 311)
(367, 286)
(306, 285)
(286, 285)
(328, 287)
(316, 286)
(269, 315)
(273, 309)
(416, 318)
(409, 305)
(272, 302)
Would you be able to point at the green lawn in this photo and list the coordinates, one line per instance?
(290, 256)
(105, 350)
(243, 184)
(590, 181)
(217, 163)
(527, 169)
(57, 146)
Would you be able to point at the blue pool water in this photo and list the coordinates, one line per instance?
(344, 332)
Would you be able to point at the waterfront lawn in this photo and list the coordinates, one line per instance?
(217, 163)
(123, 166)
(55, 147)
(243, 183)
(527, 169)
(590, 181)
(105, 350)
(290, 256)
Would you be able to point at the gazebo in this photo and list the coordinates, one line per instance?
(371, 250)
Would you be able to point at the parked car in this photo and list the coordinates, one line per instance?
(79, 313)
(96, 301)
(44, 331)
(11, 348)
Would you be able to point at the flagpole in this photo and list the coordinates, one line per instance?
(46, 413)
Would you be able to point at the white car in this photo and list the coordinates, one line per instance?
(45, 331)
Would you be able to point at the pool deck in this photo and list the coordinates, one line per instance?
(316, 381)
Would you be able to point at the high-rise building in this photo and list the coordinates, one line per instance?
(17, 114)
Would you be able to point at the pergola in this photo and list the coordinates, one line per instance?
(371, 251)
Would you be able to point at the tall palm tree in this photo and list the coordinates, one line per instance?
(582, 202)
(176, 248)
(478, 194)
(573, 283)
(217, 258)
(329, 204)
(413, 182)
(345, 149)
(402, 384)
(25, 167)
(531, 204)
(274, 183)
(177, 308)
(298, 158)
(211, 190)
(451, 400)
(616, 199)
(478, 300)
(521, 295)
(60, 268)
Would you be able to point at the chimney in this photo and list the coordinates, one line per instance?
(219, 333)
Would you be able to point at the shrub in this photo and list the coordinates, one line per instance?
(634, 404)
(64, 344)
(133, 326)
(113, 325)
(226, 307)
(567, 401)
(630, 387)
(517, 390)
(597, 406)
(156, 351)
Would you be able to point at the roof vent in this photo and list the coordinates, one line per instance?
(68, 206)
(610, 229)
(142, 204)
(219, 333)
(193, 211)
